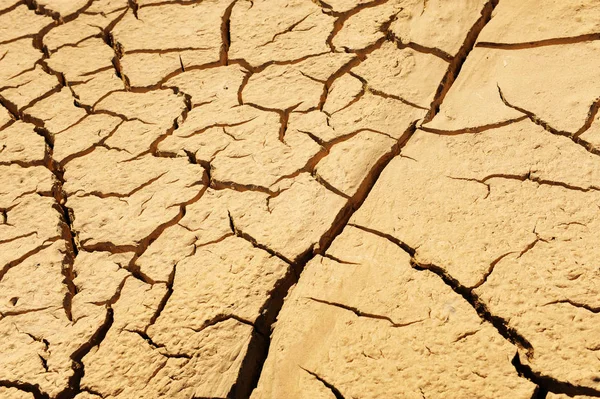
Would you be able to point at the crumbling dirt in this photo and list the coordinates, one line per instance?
(274, 199)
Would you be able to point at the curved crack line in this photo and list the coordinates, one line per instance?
(122, 195)
(589, 147)
(336, 392)
(474, 129)
(460, 58)
(467, 293)
(593, 309)
(360, 313)
(541, 43)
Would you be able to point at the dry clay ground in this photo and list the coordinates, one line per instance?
(299, 199)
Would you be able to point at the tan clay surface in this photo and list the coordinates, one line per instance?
(255, 199)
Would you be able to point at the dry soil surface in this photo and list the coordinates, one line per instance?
(275, 199)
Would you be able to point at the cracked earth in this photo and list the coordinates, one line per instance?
(274, 199)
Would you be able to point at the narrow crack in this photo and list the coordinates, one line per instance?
(548, 384)
(220, 318)
(367, 315)
(258, 348)
(336, 392)
(589, 147)
(286, 30)
(474, 129)
(74, 385)
(423, 49)
(165, 50)
(41, 9)
(528, 177)
(134, 7)
(344, 16)
(239, 233)
(226, 34)
(22, 258)
(541, 43)
(382, 94)
(545, 384)
(123, 195)
(66, 214)
(326, 146)
(592, 309)
(164, 300)
(460, 58)
(34, 389)
(467, 293)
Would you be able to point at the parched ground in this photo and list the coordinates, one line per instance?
(275, 199)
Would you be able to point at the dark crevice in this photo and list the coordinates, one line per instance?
(329, 186)
(539, 393)
(176, 72)
(172, 2)
(44, 362)
(593, 309)
(76, 44)
(467, 293)
(61, 19)
(379, 93)
(342, 17)
(13, 7)
(115, 297)
(338, 260)
(202, 130)
(361, 55)
(326, 147)
(541, 43)
(360, 313)
(226, 34)
(147, 338)
(336, 392)
(528, 177)
(239, 233)
(286, 30)
(357, 98)
(165, 50)
(228, 185)
(90, 149)
(74, 386)
(423, 49)
(181, 64)
(593, 111)
(283, 119)
(548, 384)
(573, 136)
(499, 323)
(123, 195)
(258, 348)
(134, 7)
(220, 318)
(66, 214)
(475, 129)
(187, 99)
(459, 59)
(491, 268)
(164, 300)
(28, 254)
(35, 390)
(141, 246)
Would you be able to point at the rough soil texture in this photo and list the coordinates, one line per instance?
(274, 199)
